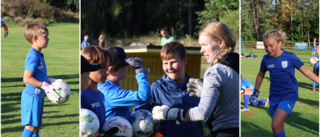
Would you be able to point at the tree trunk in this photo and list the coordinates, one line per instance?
(190, 18)
(255, 20)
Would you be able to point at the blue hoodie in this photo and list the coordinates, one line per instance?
(166, 92)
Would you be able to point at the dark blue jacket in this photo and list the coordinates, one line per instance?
(166, 92)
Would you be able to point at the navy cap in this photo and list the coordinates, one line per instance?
(118, 55)
(87, 67)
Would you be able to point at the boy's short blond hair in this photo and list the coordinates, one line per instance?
(86, 37)
(96, 55)
(35, 30)
(171, 49)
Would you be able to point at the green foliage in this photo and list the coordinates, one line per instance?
(28, 11)
(62, 61)
(303, 27)
(304, 119)
(220, 10)
(125, 19)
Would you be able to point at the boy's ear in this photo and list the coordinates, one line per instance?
(185, 61)
(111, 71)
(34, 39)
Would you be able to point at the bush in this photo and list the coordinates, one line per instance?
(29, 11)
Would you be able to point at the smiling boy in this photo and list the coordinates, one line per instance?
(171, 90)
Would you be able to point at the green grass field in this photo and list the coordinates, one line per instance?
(62, 61)
(304, 119)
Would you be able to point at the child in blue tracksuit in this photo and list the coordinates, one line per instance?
(91, 97)
(117, 99)
(284, 87)
(171, 90)
(251, 95)
(35, 77)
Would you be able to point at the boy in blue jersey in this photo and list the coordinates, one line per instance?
(316, 69)
(91, 97)
(117, 99)
(314, 47)
(35, 77)
(250, 95)
(85, 42)
(171, 90)
(281, 65)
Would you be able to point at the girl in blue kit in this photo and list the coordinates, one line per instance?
(281, 65)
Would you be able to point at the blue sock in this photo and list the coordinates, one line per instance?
(314, 84)
(281, 134)
(26, 133)
(246, 100)
(261, 101)
(35, 134)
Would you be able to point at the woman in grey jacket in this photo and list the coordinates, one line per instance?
(219, 102)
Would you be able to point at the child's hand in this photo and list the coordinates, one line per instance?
(50, 90)
(136, 65)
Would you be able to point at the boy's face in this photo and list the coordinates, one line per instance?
(84, 80)
(175, 68)
(121, 74)
(209, 48)
(164, 33)
(42, 41)
(99, 76)
(272, 47)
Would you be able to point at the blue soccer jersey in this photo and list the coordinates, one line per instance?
(85, 43)
(284, 85)
(35, 63)
(245, 83)
(94, 101)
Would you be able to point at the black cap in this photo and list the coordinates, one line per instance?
(87, 67)
(118, 55)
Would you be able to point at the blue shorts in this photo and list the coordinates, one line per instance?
(31, 110)
(313, 50)
(285, 105)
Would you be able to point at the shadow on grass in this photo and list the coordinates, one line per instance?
(304, 124)
(252, 130)
(20, 79)
(298, 122)
(310, 102)
(307, 86)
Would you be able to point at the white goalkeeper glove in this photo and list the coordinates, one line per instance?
(165, 112)
(51, 80)
(195, 87)
(50, 91)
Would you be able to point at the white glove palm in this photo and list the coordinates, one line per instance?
(195, 87)
(50, 91)
(164, 112)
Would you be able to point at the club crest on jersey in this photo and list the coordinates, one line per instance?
(284, 64)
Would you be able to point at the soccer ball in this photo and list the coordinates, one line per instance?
(142, 123)
(125, 128)
(89, 123)
(312, 61)
(63, 91)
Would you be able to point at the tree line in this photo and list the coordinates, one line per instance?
(298, 18)
(126, 18)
